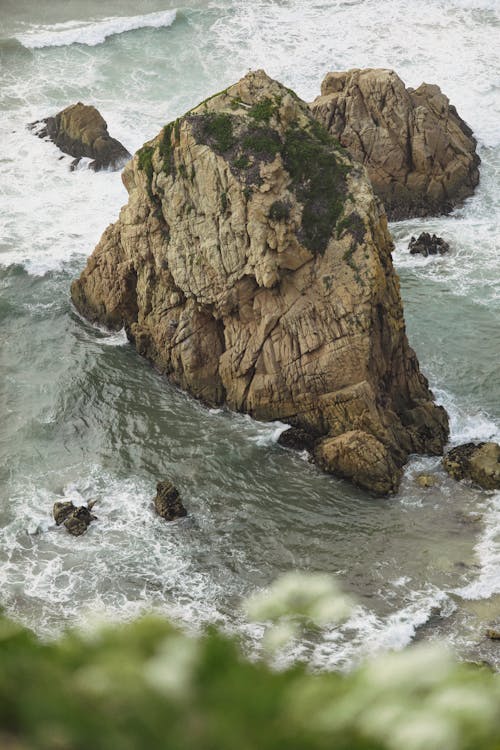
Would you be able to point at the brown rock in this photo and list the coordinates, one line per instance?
(420, 155)
(80, 130)
(75, 520)
(477, 462)
(360, 457)
(62, 511)
(168, 503)
(426, 480)
(252, 265)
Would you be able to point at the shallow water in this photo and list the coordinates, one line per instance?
(85, 418)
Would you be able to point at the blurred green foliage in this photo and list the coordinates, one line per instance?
(144, 686)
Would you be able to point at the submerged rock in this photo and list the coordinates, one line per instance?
(75, 520)
(168, 503)
(427, 244)
(426, 480)
(478, 462)
(420, 155)
(252, 265)
(80, 130)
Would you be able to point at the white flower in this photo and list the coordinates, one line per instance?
(314, 596)
(171, 670)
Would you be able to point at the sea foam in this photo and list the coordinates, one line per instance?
(93, 32)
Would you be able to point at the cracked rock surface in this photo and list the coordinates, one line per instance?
(252, 265)
(420, 155)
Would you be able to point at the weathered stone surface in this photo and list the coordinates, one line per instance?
(427, 244)
(168, 503)
(80, 130)
(252, 265)
(75, 520)
(478, 462)
(420, 155)
(359, 456)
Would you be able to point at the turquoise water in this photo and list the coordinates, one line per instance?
(85, 418)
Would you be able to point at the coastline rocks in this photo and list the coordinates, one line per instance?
(168, 503)
(80, 130)
(428, 245)
(252, 266)
(75, 520)
(478, 462)
(420, 155)
(297, 439)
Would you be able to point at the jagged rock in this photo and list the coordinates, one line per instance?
(75, 520)
(168, 503)
(420, 155)
(252, 265)
(80, 130)
(297, 439)
(428, 245)
(62, 511)
(478, 462)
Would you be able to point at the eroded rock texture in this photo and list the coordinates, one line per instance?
(420, 155)
(252, 265)
(80, 130)
(478, 462)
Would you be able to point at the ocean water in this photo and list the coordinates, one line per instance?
(84, 417)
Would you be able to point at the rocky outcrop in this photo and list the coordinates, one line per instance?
(252, 265)
(478, 462)
(80, 130)
(420, 155)
(75, 520)
(168, 503)
(426, 244)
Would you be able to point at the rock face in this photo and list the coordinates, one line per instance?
(252, 265)
(478, 462)
(420, 155)
(168, 503)
(427, 245)
(75, 520)
(80, 130)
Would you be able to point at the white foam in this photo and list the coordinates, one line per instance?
(92, 33)
(488, 553)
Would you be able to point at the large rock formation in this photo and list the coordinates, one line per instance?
(80, 130)
(420, 155)
(252, 265)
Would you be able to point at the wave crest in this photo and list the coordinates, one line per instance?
(94, 32)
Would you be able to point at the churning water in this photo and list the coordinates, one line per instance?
(84, 417)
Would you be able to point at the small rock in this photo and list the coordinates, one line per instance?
(428, 245)
(297, 439)
(75, 520)
(168, 503)
(80, 130)
(478, 462)
(62, 511)
(426, 480)
(493, 635)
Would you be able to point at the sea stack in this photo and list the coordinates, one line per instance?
(81, 131)
(252, 265)
(420, 155)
